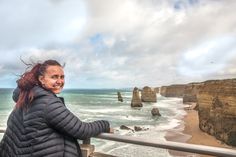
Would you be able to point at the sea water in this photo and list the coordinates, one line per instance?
(90, 105)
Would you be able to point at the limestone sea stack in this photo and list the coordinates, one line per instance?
(119, 97)
(217, 109)
(136, 100)
(148, 95)
(157, 89)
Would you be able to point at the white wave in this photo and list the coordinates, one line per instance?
(103, 147)
(118, 148)
(169, 125)
(102, 110)
(130, 118)
(103, 95)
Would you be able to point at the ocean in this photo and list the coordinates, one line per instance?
(90, 105)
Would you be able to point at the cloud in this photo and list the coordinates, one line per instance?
(154, 36)
(37, 23)
(110, 43)
(209, 57)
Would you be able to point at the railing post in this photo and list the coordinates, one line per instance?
(86, 148)
(87, 141)
(2, 130)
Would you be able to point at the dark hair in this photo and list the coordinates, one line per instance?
(30, 79)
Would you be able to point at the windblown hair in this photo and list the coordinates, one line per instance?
(30, 79)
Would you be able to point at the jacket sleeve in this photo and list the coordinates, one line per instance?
(61, 119)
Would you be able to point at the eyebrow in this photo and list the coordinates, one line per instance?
(58, 75)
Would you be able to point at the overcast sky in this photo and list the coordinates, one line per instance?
(120, 43)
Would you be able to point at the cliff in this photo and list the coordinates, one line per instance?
(173, 90)
(217, 109)
(157, 89)
(190, 92)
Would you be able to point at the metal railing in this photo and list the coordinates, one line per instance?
(184, 147)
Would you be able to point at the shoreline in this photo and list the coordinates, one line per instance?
(189, 132)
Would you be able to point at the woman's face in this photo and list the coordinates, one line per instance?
(53, 79)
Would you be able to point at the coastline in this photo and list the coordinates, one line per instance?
(189, 132)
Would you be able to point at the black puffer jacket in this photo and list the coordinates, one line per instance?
(46, 129)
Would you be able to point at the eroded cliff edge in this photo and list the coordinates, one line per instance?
(217, 109)
(216, 102)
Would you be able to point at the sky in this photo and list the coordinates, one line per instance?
(120, 43)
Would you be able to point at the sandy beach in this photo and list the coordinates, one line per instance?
(189, 132)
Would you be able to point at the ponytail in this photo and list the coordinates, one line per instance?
(26, 82)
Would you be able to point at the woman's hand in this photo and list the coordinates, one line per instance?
(111, 131)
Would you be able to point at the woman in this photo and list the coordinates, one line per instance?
(41, 125)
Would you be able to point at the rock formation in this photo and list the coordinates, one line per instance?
(217, 109)
(136, 101)
(157, 89)
(190, 92)
(124, 127)
(137, 128)
(173, 90)
(155, 112)
(148, 95)
(119, 97)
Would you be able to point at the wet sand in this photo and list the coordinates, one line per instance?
(189, 132)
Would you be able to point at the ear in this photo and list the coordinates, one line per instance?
(41, 79)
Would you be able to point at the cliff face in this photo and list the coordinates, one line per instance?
(190, 92)
(148, 95)
(172, 91)
(157, 89)
(163, 90)
(217, 109)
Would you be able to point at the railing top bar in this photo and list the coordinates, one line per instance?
(192, 148)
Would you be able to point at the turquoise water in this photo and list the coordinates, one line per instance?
(6, 105)
(90, 105)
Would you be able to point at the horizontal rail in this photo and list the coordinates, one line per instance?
(192, 148)
(185, 147)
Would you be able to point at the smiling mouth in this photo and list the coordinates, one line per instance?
(57, 87)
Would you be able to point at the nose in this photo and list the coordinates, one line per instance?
(60, 80)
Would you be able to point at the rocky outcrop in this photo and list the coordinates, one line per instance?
(190, 92)
(136, 128)
(157, 89)
(119, 97)
(163, 90)
(217, 109)
(155, 112)
(173, 90)
(148, 95)
(124, 127)
(136, 100)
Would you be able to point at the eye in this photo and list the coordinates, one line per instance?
(62, 76)
(54, 77)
